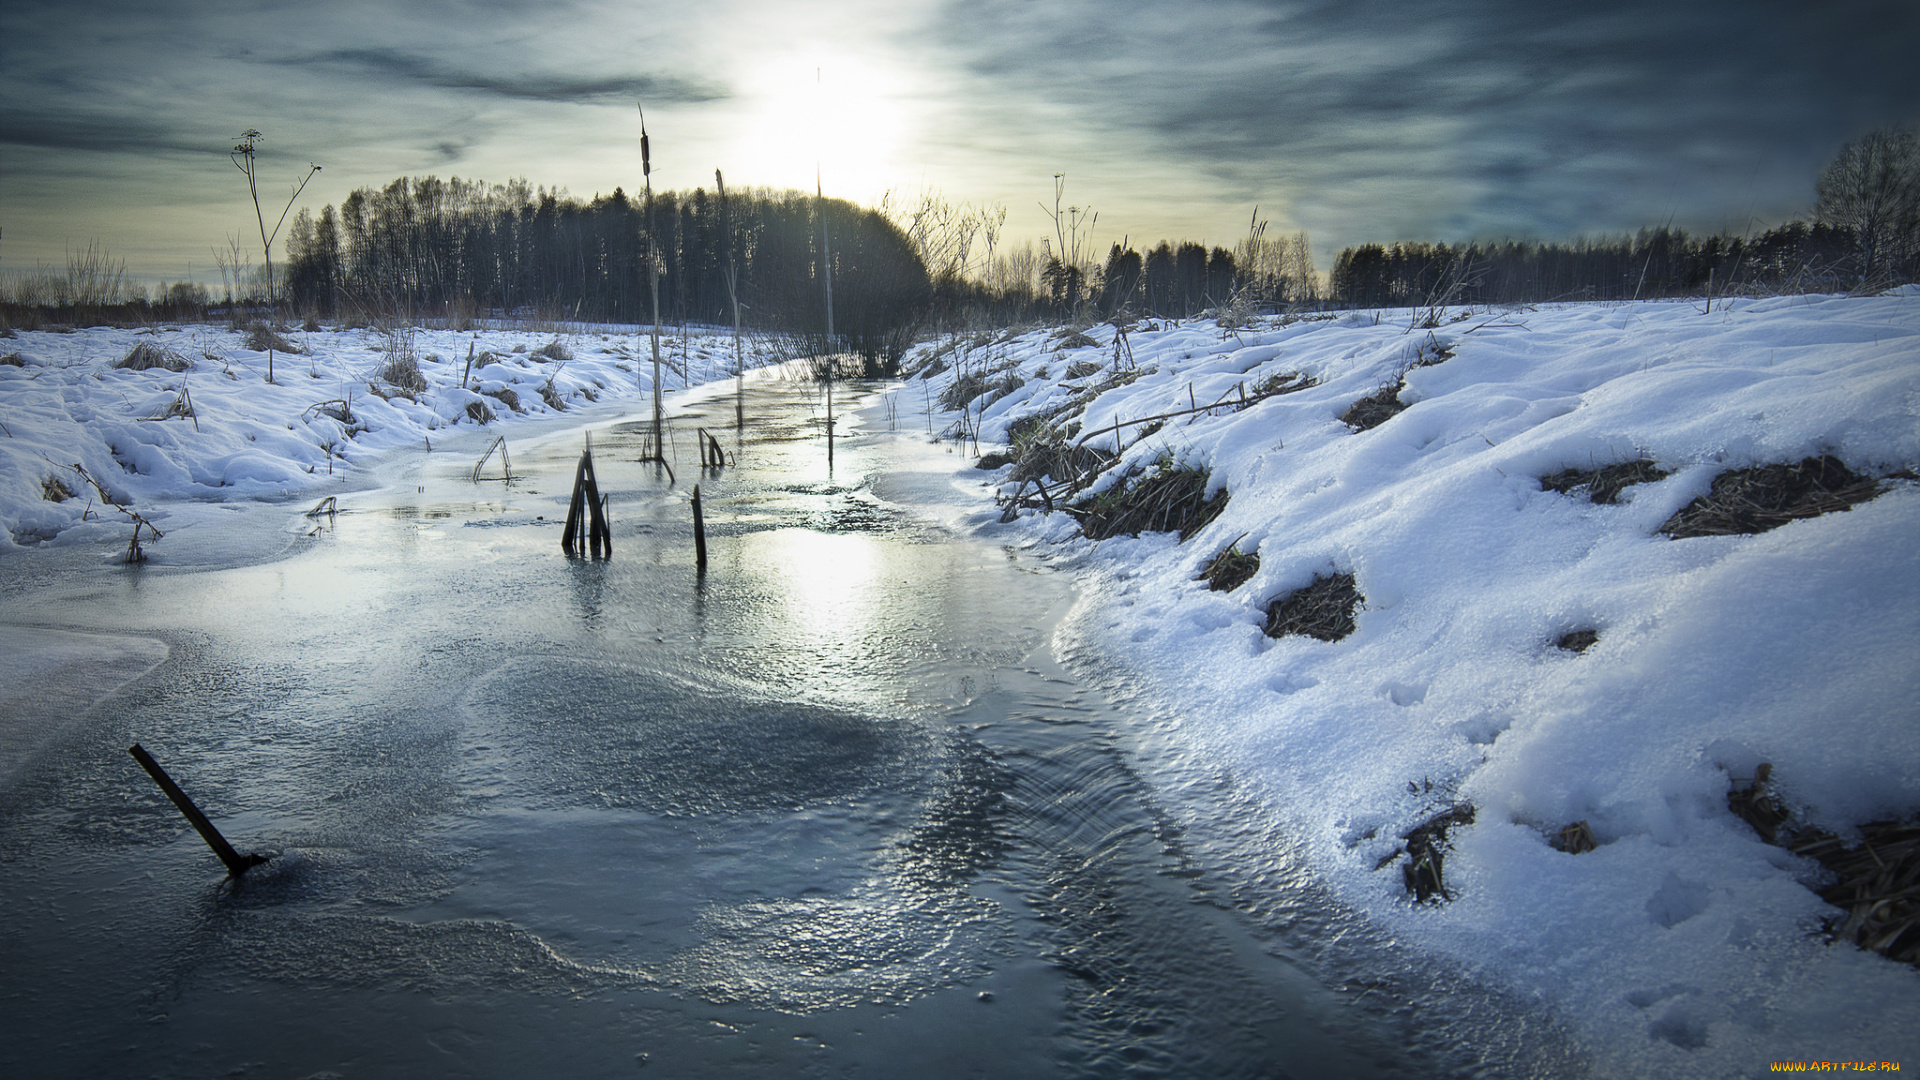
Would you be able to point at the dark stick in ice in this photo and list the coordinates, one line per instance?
(237, 864)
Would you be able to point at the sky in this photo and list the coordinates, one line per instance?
(1355, 120)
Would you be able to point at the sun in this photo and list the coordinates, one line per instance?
(838, 114)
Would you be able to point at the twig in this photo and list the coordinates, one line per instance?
(1180, 412)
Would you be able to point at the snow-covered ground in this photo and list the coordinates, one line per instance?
(1683, 945)
(188, 448)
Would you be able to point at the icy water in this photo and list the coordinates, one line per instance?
(831, 809)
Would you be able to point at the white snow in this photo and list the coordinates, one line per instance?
(248, 440)
(1684, 945)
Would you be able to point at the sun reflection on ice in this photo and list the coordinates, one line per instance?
(830, 578)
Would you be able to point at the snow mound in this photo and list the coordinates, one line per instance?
(1525, 640)
(151, 417)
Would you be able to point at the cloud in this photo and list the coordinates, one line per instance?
(110, 132)
(1495, 116)
(546, 87)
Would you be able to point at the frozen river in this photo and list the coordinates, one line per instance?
(834, 808)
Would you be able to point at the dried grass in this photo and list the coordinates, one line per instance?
(1283, 382)
(478, 412)
(260, 337)
(1169, 498)
(1426, 848)
(1578, 640)
(1754, 500)
(505, 397)
(553, 350)
(340, 409)
(1575, 839)
(1230, 569)
(1604, 484)
(13, 359)
(1052, 457)
(1875, 881)
(1323, 609)
(1384, 404)
(147, 356)
(963, 389)
(403, 374)
(1374, 409)
(52, 490)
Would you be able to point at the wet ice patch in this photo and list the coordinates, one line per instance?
(576, 732)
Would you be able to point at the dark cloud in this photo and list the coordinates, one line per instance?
(1385, 119)
(414, 68)
(1356, 119)
(110, 132)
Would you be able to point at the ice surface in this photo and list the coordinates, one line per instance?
(1683, 945)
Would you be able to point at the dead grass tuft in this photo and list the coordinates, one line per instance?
(1324, 609)
(1384, 404)
(554, 350)
(1426, 848)
(147, 356)
(505, 397)
(1284, 382)
(963, 389)
(478, 412)
(1754, 500)
(1230, 569)
(1081, 369)
(260, 337)
(13, 359)
(1578, 640)
(1055, 458)
(1875, 882)
(52, 490)
(1575, 839)
(1168, 498)
(403, 374)
(1604, 484)
(1374, 409)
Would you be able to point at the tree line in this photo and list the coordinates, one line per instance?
(426, 246)
(1662, 262)
(1865, 234)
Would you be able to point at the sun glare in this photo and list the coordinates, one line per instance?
(840, 114)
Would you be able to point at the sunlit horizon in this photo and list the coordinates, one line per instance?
(1502, 120)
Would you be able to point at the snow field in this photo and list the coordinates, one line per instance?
(327, 418)
(1683, 945)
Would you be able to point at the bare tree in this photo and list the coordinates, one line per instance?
(947, 235)
(1872, 187)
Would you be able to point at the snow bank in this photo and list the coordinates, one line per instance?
(1683, 945)
(218, 432)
